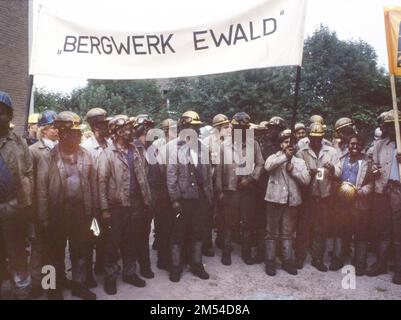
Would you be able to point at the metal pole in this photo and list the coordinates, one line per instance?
(396, 120)
(295, 107)
(28, 103)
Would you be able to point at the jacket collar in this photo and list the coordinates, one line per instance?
(120, 155)
(323, 150)
(10, 136)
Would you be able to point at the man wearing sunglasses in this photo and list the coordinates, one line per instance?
(344, 128)
(267, 136)
(221, 130)
(143, 124)
(124, 193)
(98, 122)
(240, 167)
(69, 197)
(163, 211)
(189, 183)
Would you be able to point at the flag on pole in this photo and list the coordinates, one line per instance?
(392, 22)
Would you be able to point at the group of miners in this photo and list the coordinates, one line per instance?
(279, 193)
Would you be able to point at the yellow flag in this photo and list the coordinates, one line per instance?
(392, 22)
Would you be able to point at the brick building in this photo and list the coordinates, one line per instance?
(14, 56)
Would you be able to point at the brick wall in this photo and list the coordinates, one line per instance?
(14, 78)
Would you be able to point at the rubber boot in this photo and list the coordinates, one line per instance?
(110, 285)
(337, 258)
(317, 251)
(286, 255)
(90, 281)
(82, 292)
(380, 265)
(226, 253)
(197, 265)
(361, 251)
(175, 270)
(397, 263)
(246, 249)
(270, 257)
(260, 254)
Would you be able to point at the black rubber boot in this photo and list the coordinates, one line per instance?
(175, 270)
(36, 291)
(134, 280)
(397, 263)
(56, 294)
(270, 258)
(260, 253)
(219, 241)
(317, 251)
(226, 253)
(110, 285)
(147, 272)
(82, 292)
(197, 266)
(90, 281)
(337, 259)
(319, 265)
(286, 255)
(246, 249)
(380, 266)
(207, 251)
(361, 250)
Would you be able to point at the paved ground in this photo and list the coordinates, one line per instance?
(240, 281)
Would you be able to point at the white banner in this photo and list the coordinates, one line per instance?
(137, 39)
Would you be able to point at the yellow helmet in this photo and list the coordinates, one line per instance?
(190, 117)
(347, 191)
(219, 120)
(67, 120)
(316, 130)
(316, 118)
(132, 119)
(389, 116)
(342, 123)
(33, 118)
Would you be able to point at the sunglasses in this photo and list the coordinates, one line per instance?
(145, 122)
(186, 120)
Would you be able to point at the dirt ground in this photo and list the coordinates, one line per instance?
(243, 282)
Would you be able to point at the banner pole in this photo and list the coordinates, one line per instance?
(295, 107)
(28, 103)
(396, 120)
